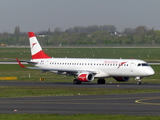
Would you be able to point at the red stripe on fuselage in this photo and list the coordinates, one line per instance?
(40, 55)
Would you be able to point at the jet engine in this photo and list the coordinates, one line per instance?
(121, 79)
(85, 77)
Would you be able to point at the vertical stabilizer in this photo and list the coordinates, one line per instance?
(36, 50)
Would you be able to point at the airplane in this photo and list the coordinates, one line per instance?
(84, 69)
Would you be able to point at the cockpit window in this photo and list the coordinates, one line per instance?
(142, 64)
(145, 64)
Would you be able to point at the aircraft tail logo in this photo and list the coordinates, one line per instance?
(33, 45)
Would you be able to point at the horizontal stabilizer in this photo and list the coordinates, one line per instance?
(20, 64)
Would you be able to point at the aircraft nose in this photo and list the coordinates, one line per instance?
(150, 72)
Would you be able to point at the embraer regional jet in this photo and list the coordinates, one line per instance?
(86, 70)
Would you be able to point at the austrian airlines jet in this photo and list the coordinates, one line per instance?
(85, 70)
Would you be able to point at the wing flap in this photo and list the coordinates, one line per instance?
(62, 70)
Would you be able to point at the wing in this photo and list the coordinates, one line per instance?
(62, 70)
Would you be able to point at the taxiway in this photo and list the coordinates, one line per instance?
(112, 104)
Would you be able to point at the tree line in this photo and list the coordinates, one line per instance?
(90, 35)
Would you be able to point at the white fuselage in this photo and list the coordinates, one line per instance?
(103, 67)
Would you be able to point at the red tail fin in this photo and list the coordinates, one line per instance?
(36, 50)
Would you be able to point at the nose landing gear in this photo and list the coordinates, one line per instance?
(138, 80)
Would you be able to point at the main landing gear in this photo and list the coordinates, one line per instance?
(101, 81)
(138, 80)
(76, 81)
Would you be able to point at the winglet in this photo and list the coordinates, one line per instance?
(20, 64)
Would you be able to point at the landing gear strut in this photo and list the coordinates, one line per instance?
(101, 81)
(76, 81)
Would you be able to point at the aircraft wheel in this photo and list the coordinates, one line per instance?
(139, 82)
(101, 81)
(76, 81)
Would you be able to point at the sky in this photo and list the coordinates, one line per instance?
(40, 15)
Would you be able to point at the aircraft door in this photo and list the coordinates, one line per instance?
(131, 66)
(46, 63)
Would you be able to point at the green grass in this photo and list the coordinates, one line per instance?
(74, 117)
(28, 74)
(147, 54)
(7, 91)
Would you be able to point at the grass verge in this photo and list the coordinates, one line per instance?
(74, 117)
(60, 91)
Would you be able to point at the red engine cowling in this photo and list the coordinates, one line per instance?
(121, 79)
(85, 77)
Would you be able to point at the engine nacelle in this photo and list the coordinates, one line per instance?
(121, 79)
(85, 77)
